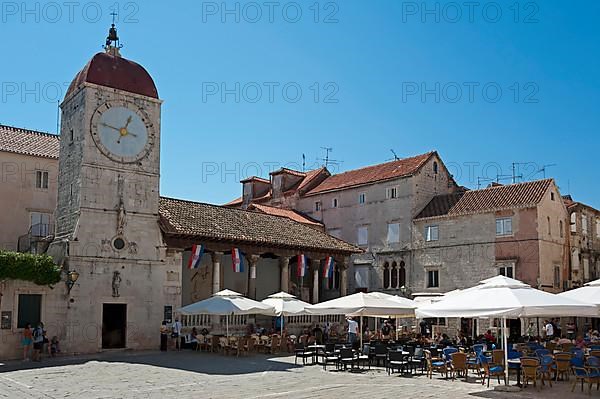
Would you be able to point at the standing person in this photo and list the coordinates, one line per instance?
(424, 328)
(26, 341)
(571, 329)
(164, 336)
(386, 330)
(352, 330)
(176, 333)
(549, 329)
(38, 342)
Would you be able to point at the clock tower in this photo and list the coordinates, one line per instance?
(107, 213)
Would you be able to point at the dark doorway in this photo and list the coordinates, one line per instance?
(114, 321)
(514, 328)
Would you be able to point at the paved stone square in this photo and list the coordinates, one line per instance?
(190, 374)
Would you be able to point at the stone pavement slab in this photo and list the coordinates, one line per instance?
(186, 374)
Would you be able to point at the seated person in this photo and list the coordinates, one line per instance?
(445, 341)
(489, 337)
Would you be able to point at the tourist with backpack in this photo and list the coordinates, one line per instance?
(38, 342)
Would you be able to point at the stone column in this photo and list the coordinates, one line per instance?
(216, 271)
(316, 282)
(252, 261)
(284, 273)
(344, 276)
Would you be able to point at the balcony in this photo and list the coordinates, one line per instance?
(37, 238)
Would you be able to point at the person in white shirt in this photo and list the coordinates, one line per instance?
(352, 330)
(176, 333)
(549, 330)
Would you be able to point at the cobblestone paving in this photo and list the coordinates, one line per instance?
(186, 374)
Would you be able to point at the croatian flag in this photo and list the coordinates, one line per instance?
(302, 266)
(328, 268)
(237, 260)
(196, 256)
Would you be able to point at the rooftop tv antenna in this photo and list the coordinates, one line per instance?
(544, 167)
(395, 156)
(326, 159)
(514, 171)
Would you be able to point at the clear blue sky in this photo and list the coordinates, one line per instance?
(368, 57)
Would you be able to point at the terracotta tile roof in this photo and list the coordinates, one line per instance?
(440, 205)
(372, 174)
(522, 195)
(29, 142)
(310, 175)
(290, 171)
(288, 213)
(256, 178)
(218, 223)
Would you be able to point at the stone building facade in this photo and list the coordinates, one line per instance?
(122, 246)
(516, 230)
(29, 170)
(584, 228)
(372, 207)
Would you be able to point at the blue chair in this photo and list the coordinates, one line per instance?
(585, 374)
(539, 353)
(595, 347)
(547, 366)
(447, 354)
(478, 348)
(490, 371)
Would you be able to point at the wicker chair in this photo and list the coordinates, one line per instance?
(491, 370)
(459, 365)
(530, 367)
(563, 364)
(435, 364)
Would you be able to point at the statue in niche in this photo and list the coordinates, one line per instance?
(121, 222)
(116, 283)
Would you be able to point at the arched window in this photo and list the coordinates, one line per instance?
(549, 226)
(394, 275)
(386, 275)
(435, 168)
(574, 222)
(402, 274)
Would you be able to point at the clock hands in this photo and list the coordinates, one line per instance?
(122, 131)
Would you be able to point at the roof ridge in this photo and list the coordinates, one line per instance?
(25, 130)
(225, 207)
(548, 180)
(386, 163)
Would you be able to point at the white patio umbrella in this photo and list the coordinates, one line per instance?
(589, 293)
(285, 305)
(366, 304)
(504, 298)
(225, 303)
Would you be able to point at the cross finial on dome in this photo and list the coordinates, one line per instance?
(112, 45)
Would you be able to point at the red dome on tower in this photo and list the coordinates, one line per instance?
(113, 71)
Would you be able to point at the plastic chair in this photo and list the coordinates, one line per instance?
(396, 360)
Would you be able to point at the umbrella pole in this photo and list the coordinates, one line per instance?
(505, 347)
(227, 325)
(361, 332)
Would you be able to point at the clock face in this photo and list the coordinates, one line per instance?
(122, 132)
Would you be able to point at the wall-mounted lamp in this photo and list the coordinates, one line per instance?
(72, 277)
